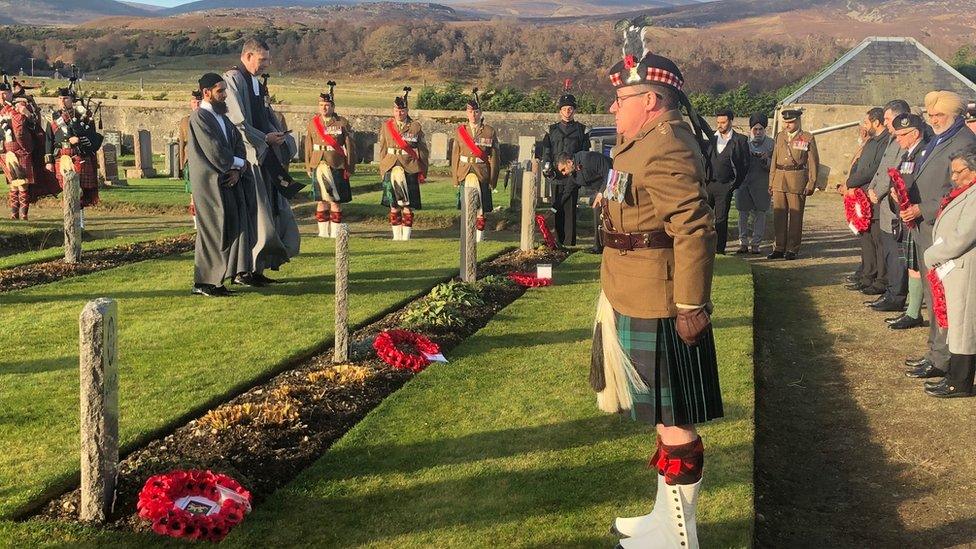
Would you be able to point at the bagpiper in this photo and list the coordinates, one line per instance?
(403, 166)
(72, 135)
(330, 160)
(183, 138)
(41, 183)
(474, 160)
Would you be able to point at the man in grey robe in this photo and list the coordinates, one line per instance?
(218, 175)
(271, 226)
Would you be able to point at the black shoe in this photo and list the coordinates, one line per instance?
(934, 384)
(595, 250)
(248, 279)
(886, 305)
(916, 362)
(893, 319)
(222, 291)
(855, 286)
(776, 255)
(208, 290)
(906, 322)
(949, 391)
(755, 250)
(873, 302)
(871, 290)
(853, 277)
(926, 371)
(742, 250)
(789, 256)
(259, 277)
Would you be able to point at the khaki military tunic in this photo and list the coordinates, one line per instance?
(666, 192)
(317, 151)
(184, 138)
(793, 167)
(464, 161)
(393, 155)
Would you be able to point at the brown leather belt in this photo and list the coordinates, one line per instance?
(790, 168)
(634, 241)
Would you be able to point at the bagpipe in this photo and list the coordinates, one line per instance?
(81, 119)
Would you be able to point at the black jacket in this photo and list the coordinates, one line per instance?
(732, 164)
(591, 170)
(569, 138)
(867, 164)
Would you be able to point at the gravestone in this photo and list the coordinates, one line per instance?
(300, 149)
(526, 148)
(377, 152)
(173, 160)
(439, 149)
(530, 178)
(71, 210)
(114, 138)
(340, 351)
(108, 165)
(469, 244)
(142, 147)
(98, 330)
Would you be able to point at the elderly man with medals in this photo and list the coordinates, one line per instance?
(474, 160)
(654, 354)
(330, 159)
(403, 166)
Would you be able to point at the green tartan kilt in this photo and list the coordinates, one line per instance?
(341, 185)
(911, 250)
(683, 380)
(186, 177)
(484, 197)
(413, 192)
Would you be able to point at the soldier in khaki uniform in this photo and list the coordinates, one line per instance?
(403, 166)
(183, 138)
(474, 160)
(792, 178)
(654, 354)
(330, 160)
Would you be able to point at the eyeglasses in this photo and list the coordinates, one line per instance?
(956, 173)
(620, 98)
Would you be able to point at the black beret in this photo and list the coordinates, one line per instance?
(790, 115)
(760, 119)
(567, 100)
(66, 92)
(196, 94)
(209, 80)
(327, 97)
(652, 69)
(907, 121)
(399, 102)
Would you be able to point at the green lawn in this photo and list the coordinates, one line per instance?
(505, 443)
(179, 353)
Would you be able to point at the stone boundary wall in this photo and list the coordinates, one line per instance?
(162, 118)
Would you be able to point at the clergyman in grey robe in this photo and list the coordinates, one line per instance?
(271, 227)
(213, 149)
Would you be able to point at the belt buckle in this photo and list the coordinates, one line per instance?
(647, 240)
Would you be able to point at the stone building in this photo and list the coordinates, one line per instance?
(877, 70)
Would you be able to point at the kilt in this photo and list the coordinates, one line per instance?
(484, 196)
(682, 381)
(87, 168)
(186, 177)
(413, 192)
(911, 251)
(341, 184)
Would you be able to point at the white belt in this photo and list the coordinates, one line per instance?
(395, 151)
(471, 159)
(317, 147)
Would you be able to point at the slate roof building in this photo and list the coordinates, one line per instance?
(876, 71)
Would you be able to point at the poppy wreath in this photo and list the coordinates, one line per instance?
(939, 309)
(857, 207)
(900, 189)
(540, 221)
(529, 280)
(388, 347)
(158, 497)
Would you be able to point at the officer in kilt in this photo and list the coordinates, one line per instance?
(330, 160)
(71, 134)
(183, 138)
(654, 354)
(474, 160)
(403, 166)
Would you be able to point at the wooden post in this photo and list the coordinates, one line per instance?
(469, 244)
(340, 351)
(529, 181)
(71, 208)
(99, 409)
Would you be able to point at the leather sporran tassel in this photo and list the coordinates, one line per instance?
(619, 373)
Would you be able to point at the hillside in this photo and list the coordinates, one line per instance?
(63, 12)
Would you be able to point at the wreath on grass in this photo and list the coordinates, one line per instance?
(540, 221)
(529, 280)
(193, 504)
(939, 308)
(857, 207)
(389, 347)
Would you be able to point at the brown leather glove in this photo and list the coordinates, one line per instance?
(691, 324)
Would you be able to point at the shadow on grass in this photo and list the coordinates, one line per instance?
(38, 366)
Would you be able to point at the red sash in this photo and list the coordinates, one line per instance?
(469, 143)
(329, 140)
(391, 127)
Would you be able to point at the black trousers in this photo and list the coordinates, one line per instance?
(874, 272)
(564, 201)
(720, 200)
(896, 270)
(962, 370)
